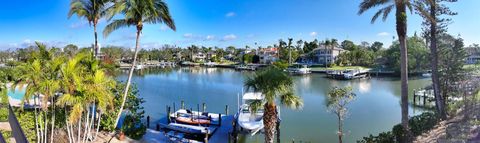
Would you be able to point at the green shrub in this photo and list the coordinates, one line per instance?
(418, 125)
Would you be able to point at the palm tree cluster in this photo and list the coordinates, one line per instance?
(76, 86)
(134, 12)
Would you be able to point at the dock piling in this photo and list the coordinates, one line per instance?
(182, 104)
(158, 127)
(204, 106)
(414, 97)
(424, 98)
(226, 110)
(148, 122)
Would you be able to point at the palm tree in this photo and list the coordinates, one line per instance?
(273, 83)
(93, 11)
(401, 26)
(136, 13)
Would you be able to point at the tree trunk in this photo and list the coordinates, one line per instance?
(53, 119)
(340, 131)
(98, 124)
(79, 128)
(92, 120)
(36, 118)
(46, 126)
(95, 48)
(69, 132)
(434, 59)
(270, 122)
(85, 130)
(130, 74)
(401, 26)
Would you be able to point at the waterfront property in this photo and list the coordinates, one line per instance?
(268, 55)
(375, 109)
(473, 55)
(321, 55)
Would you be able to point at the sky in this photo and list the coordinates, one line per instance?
(221, 23)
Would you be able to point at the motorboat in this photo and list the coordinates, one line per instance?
(247, 119)
(299, 69)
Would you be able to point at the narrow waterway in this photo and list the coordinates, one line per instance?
(375, 109)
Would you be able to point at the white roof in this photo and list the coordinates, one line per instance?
(252, 96)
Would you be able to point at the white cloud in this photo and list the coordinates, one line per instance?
(229, 37)
(188, 35)
(230, 14)
(250, 35)
(209, 37)
(383, 34)
(313, 34)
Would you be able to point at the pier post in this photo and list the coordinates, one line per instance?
(158, 127)
(168, 115)
(204, 107)
(226, 110)
(148, 122)
(174, 109)
(206, 136)
(182, 104)
(219, 119)
(414, 96)
(424, 97)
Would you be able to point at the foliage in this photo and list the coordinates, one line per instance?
(273, 83)
(27, 122)
(6, 135)
(133, 126)
(418, 124)
(451, 62)
(418, 55)
(337, 101)
(281, 65)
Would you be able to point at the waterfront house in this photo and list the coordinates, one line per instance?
(473, 55)
(268, 55)
(321, 55)
(199, 57)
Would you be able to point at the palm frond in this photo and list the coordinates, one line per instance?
(115, 25)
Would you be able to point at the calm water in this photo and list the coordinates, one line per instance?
(375, 109)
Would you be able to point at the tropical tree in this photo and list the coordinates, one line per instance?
(137, 13)
(337, 101)
(93, 11)
(273, 83)
(401, 7)
(431, 11)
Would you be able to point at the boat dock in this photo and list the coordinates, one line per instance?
(221, 134)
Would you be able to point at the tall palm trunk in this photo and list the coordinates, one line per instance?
(433, 49)
(85, 130)
(95, 48)
(270, 122)
(69, 132)
(98, 124)
(36, 118)
(130, 74)
(53, 120)
(401, 26)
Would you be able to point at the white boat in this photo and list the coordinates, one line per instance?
(252, 122)
(138, 67)
(299, 69)
(427, 74)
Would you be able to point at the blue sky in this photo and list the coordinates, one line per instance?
(221, 23)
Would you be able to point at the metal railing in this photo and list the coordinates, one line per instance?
(17, 131)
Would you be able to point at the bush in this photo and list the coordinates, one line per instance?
(281, 65)
(418, 125)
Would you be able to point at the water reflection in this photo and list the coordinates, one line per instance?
(375, 109)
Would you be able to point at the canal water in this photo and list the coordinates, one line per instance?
(375, 109)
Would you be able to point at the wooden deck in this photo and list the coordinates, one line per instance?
(221, 134)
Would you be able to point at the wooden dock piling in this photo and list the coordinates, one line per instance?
(148, 122)
(226, 110)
